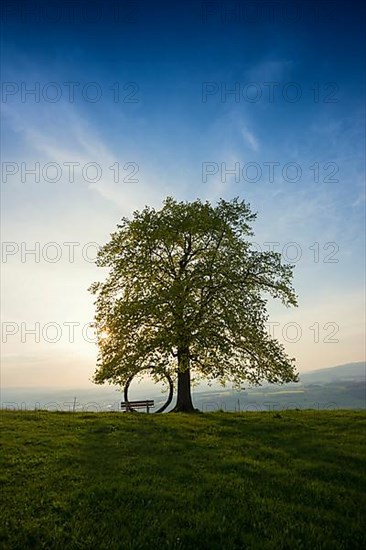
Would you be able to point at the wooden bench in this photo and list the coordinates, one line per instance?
(129, 406)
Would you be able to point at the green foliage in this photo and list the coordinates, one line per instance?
(208, 481)
(185, 283)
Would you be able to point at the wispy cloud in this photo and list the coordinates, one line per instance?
(70, 138)
(269, 70)
(250, 139)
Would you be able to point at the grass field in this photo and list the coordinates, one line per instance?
(293, 480)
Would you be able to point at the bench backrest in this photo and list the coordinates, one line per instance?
(147, 402)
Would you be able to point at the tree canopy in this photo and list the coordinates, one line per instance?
(186, 292)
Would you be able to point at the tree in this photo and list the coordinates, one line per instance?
(186, 292)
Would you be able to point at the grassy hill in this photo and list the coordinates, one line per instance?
(208, 481)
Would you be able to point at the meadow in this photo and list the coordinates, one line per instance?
(292, 480)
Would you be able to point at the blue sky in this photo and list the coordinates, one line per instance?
(174, 67)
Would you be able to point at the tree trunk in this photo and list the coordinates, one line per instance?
(184, 397)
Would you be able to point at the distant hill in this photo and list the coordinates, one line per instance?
(343, 386)
(340, 387)
(349, 371)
